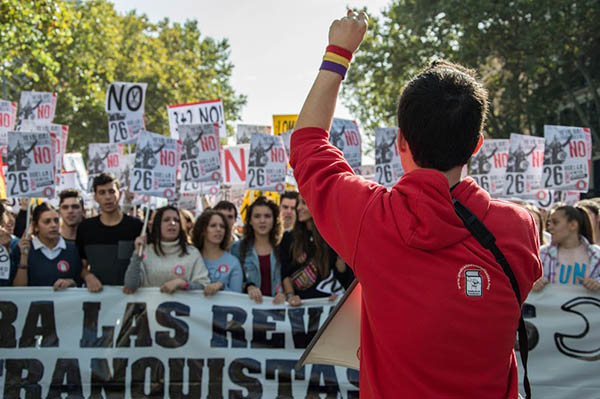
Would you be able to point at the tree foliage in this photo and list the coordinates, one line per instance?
(539, 59)
(76, 48)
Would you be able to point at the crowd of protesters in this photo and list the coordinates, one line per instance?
(279, 254)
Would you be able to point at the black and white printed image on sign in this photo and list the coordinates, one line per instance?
(196, 113)
(125, 97)
(488, 166)
(59, 133)
(36, 106)
(344, 134)
(244, 132)
(73, 162)
(155, 166)
(200, 154)
(30, 171)
(566, 158)
(267, 163)
(103, 158)
(123, 128)
(4, 263)
(8, 116)
(524, 165)
(388, 167)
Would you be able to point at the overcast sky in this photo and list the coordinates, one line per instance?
(276, 45)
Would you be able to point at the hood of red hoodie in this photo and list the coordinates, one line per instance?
(423, 209)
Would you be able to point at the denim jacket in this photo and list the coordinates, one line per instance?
(549, 258)
(251, 267)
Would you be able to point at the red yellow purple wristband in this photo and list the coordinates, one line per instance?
(336, 59)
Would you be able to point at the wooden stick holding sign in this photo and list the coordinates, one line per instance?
(144, 228)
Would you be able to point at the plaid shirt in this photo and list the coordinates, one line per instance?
(549, 257)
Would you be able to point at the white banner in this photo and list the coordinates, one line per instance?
(36, 106)
(344, 134)
(201, 153)
(563, 326)
(31, 165)
(155, 168)
(235, 161)
(156, 345)
(524, 165)
(566, 158)
(125, 97)
(267, 163)
(488, 166)
(210, 111)
(244, 132)
(388, 167)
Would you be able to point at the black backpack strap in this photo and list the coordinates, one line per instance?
(488, 241)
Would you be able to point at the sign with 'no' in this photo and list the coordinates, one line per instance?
(125, 97)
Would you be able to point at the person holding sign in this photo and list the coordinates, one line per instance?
(257, 251)
(8, 243)
(211, 235)
(44, 258)
(571, 258)
(451, 331)
(106, 242)
(168, 261)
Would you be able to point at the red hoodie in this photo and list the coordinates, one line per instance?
(439, 316)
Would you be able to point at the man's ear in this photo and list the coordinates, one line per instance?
(401, 143)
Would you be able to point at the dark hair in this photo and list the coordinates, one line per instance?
(290, 195)
(301, 244)
(580, 215)
(155, 237)
(71, 193)
(37, 212)
(2, 210)
(441, 113)
(104, 178)
(199, 230)
(275, 233)
(227, 206)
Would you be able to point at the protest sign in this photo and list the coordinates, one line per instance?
(201, 153)
(235, 161)
(73, 162)
(124, 128)
(155, 167)
(388, 168)
(488, 166)
(524, 165)
(566, 158)
(125, 97)
(267, 163)
(244, 132)
(202, 112)
(155, 345)
(282, 123)
(31, 165)
(8, 116)
(344, 134)
(36, 106)
(58, 133)
(103, 158)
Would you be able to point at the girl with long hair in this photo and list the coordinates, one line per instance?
(211, 235)
(257, 251)
(43, 257)
(310, 268)
(167, 260)
(571, 258)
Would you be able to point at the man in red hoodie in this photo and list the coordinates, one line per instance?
(439, 315)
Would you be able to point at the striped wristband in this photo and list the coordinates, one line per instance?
(336, 59)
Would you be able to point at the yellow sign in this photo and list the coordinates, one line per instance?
(283, 123)
(251, 195)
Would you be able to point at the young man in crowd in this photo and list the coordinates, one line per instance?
(106, 242)
(228, 209)
(71, 211)
(287, 208)
(439, 313)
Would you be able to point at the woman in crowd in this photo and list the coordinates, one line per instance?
(570, 259)
(167, 260)
(43, 257)
(211, 235)
(310, 268)
(257, 251)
